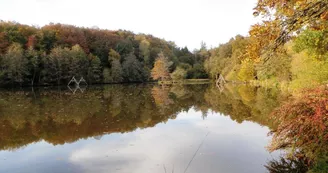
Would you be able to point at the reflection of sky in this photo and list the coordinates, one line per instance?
(229, 148)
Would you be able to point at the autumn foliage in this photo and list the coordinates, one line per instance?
(262, 36)
(104, 56)
(303, 122)
(161, 68)
(294, 15)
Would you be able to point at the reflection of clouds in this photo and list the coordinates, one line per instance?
(38, 157)
(141, 151)
(230, 147)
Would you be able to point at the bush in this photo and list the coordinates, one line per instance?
(179, 74)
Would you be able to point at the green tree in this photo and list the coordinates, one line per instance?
(79, 61)
(308, 71)
(144, 51)
(314, 41)
(14, 65)
(133, 70)
(47, 40)
(278, 67)
(107, 76)
(124, 47)
(1, 69)
(34, 61)
(179, 74)
(116, 71)
(94, 72)
(247, 71)
(197, 72)
(63, 63)
(57, 68)
(113, 55)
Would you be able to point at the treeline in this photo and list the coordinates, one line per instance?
(289, 49)
(53, 54)
(300, 63)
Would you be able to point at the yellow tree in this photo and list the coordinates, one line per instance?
(262, 38)
(161, 68)
(293, 15)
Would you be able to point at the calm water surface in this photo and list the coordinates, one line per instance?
(137, 129)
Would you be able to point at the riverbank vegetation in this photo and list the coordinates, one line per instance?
(288, 48)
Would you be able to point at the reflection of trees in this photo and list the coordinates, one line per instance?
(288, 165)
(161, 95)
(180, 91)
(60, 117)
(243, 102)
(226, 104)
(298, 163)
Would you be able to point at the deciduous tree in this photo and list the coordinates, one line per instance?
(133, 70)
(293, 15)
(116, 71)
(34, 61)
(14, 65)
(94, 72)
(161, 68)
(179, 74)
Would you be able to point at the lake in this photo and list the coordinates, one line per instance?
(137, 129)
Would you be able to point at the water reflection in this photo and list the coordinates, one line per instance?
(107, 129)
(75, 88)
(290, 164)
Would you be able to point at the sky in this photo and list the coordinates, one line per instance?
(185, 22)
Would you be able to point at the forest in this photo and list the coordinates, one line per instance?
(53, 54)
(288, 49)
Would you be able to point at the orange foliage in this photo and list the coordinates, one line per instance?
(303, 122)
(161, 96)
(160, 70)
(261, 36)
